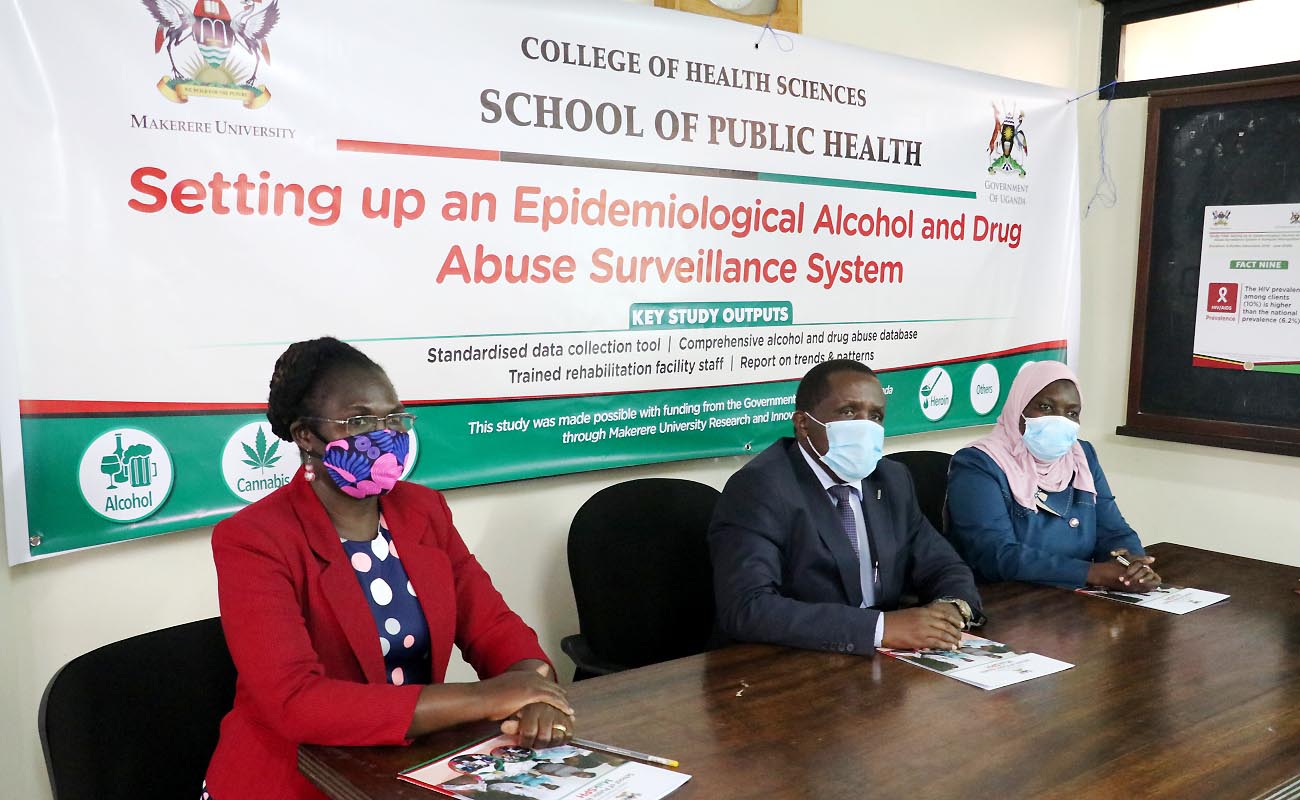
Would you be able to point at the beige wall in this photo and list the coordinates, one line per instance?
(1032, 40)
(53, 610)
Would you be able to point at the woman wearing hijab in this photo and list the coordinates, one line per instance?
(1029, 502)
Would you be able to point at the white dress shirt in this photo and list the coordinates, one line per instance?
(866, 569)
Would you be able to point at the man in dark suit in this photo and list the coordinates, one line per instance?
(815, 541)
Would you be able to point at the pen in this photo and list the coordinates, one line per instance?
(1125, 562)
(619, 751)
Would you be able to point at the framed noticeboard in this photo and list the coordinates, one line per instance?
(1216, 277)
(785, 15)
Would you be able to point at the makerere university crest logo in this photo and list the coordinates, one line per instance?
(217, 66)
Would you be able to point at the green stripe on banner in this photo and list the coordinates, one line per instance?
(1292, 369)
(173, 472)
(843, 183)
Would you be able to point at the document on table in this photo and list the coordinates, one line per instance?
(981, 662)
(1174, 599)
(498, 766)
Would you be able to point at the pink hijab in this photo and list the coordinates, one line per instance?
(1025, 473)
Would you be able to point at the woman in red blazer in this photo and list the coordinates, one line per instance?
(308, 627)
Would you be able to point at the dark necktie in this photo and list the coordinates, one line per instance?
(870, 585)
(841, 492)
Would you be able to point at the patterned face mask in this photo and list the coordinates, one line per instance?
(367, 464)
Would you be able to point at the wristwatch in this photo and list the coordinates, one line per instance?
(963, 608)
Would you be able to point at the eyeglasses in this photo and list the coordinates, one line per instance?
(354, 426)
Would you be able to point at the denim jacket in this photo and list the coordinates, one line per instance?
(1004, 541)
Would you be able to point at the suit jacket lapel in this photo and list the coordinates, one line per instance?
(883, 538)
(339, 582)
(822, 510)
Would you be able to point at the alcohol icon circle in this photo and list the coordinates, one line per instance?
(125, 475)
(985, 388)
(936, 394)
(255, 462)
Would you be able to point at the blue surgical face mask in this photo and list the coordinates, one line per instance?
(854, 446)
(1049, 438)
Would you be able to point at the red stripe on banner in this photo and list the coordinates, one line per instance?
(29, 408)
(426, 150)
(1029, 348)
(50, 408)
(1215, 363)
(518, 398)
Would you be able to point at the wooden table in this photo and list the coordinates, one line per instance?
(1205, 705)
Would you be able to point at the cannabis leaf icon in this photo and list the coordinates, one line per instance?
(261, 458)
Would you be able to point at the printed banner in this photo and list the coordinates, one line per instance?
(1248, 305)
(577, 236)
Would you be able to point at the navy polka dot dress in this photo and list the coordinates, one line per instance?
(403, 632)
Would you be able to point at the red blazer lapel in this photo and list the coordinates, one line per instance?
(338, 581)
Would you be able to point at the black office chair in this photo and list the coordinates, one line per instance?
(929, 470)
(138, 718)
(641, 575)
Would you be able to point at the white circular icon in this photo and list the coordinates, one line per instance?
(125, 475)
(985, 388)
(936, 394)
(411, 456)
(255, 462)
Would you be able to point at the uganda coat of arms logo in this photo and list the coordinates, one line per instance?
(1008, 137)
(217, 66)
